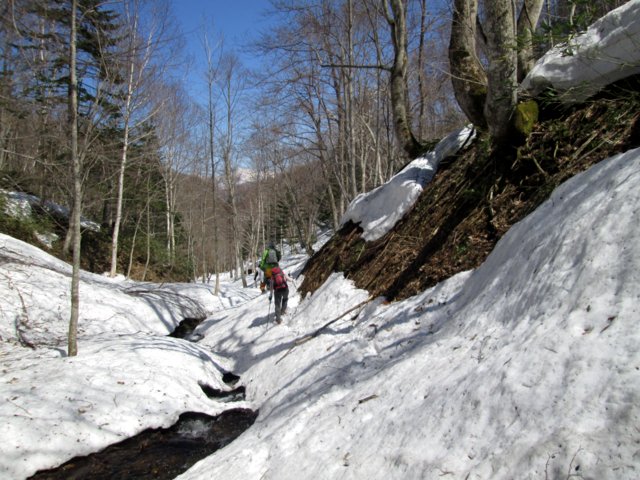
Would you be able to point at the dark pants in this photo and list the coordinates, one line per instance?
(281, 297)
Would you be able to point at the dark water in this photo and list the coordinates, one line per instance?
(164, 453)
(186, 327)
(158, 453)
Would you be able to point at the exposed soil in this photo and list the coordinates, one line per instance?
(476, 196)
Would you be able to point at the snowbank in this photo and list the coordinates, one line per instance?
(608, 51)
(524, 368)
(56, 408)
(35, 309)
(379, 210)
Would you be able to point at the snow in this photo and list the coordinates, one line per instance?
(524, 368)
(379, 210)
(19, 204)
(608, 51)
(527, 367)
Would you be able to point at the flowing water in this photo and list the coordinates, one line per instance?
(166, 452)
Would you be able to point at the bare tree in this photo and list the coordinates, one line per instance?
(527, 23)
(175, 122)
(76, 212)
(136, 71)
(211, 74)
(231, 86)
(395, 14)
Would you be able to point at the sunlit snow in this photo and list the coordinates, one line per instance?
(579, 68)
(527, 367)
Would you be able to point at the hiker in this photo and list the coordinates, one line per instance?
(279, 288)
(270, 259)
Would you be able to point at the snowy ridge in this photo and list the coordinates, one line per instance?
(20, 205)
(36, 300)
(380, 209)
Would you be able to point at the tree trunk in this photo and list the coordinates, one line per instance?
(527, 23)
(148, 245)
(348, 90)
(398, 80)
(467, 75)
(421, 80)
(77, 188)
(376, 137)
(120, 188)
(211, 74)
(501, 73)
(133, 241)
(170, 202)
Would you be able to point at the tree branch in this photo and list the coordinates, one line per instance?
(313, 335)
(343, 65)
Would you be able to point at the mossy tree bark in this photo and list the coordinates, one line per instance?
(501, 73)
(488, 96)
(467, 74)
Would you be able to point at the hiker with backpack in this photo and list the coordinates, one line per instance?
(270, 258)
(279, 288)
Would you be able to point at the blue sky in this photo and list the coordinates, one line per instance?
(240, 21)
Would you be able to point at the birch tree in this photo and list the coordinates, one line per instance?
(74, 224)
(136, 70)
(231, 87)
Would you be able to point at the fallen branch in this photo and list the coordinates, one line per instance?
(306, 338)
(366, 399)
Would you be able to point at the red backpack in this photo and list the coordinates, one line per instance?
(277, 279)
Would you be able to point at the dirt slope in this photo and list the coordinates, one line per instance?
(476, 197)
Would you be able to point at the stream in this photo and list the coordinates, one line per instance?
(164, 453)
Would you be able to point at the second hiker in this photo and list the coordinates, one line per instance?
(280, 291)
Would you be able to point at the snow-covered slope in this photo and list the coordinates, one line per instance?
(526, 368)
(380, 209)
(35, 292)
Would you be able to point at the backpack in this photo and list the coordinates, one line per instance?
(272, 256)
(277, 279)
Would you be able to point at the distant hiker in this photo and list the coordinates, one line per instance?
(270, 259)
(280, 291)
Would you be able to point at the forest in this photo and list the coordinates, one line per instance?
(454, 187)
(96, 116)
